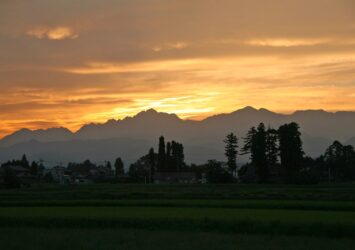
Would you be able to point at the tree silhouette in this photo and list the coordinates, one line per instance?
(272, 150)
(108, 165)
(119, 167)
(231, 146)
(249, 142)
(291, 152)
(161, 154)
(261, 144)
(215, 173)
(340, 161)
(140, 170)
(260, 159)
(34, 169)
(24, 162)
(177, 157)
(168, 149)
(151, 164)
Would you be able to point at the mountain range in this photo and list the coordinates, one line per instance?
(132, 137)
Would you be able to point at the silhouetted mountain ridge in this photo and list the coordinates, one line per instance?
(204, 138)
(43, 135)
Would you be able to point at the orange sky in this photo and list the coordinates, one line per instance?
(66, 63)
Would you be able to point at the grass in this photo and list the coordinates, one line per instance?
(103, 239)
(202, 217)
(252, 221)
(192, 203)
(330, 192)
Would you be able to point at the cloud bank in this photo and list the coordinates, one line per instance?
(68, 62)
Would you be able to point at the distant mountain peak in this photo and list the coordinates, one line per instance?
(312, 112)
(147, 112)
(111, 121)
(152, 113)
(151, 110)
(247, 109)
(23, 131)
(252, 110)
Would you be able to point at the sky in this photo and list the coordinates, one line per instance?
(71, 62)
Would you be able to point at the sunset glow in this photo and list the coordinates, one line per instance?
(73, 65)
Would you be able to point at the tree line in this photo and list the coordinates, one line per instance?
(268, 148)
(275, 156)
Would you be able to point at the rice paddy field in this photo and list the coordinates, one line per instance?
(178, 217)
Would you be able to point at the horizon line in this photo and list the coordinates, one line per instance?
(181, 118)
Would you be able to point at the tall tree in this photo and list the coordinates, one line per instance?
(34, 169)
(249, 143)
(168, 149)
(174, 156)
(260, 143)
(108, 165)
(260, 158)
(119, 167)
(178, 157)
(24, 162)
(161, 154)
(151, 157)
(181, 157)
(291, 152)
(231, 146)
(349, 160)
(272, 150)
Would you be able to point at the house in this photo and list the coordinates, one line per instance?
(175, 177)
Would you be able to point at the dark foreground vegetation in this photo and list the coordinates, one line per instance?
(115, 216)
(127, 239)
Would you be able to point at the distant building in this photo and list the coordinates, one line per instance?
(175, 177)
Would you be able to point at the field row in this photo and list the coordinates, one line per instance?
(255, 221)
(100, 239)
(189, 203)
(330, 192)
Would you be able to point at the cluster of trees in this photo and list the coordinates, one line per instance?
(9, 176)
(35, 167)
(82, 167)
(339, 160)
(267, 148)
(87, 165)
(214, 172)
(277, 155)
(169, 158)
